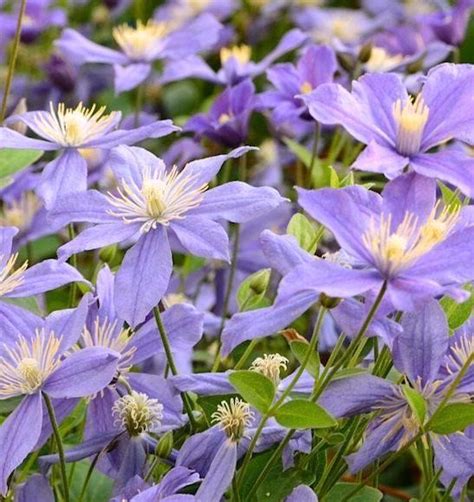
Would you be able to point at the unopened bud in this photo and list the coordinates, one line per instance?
(365, 52)
(346, 61)
(259, 281)
(416, 66)
(328, 302)
(165, 445)
(291, 335)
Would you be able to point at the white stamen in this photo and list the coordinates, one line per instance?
(105, 335)
(139, 43)
(233, 418)
(25, 367)
(411, 119)
(74, 126)
(460, 353)
(270, 366)
(138, 413)
(10, 279)
(163, 197)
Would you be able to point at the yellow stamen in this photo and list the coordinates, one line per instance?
(138, 413)
(21, 212)
(306, 88)
(139, 43)
(241, 53)
(380, 60)
(233, 418)
(10, 279)
(411, 119)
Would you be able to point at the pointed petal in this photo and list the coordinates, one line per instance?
(15, 321)
(36, 488)
(18, 436)
(202, 237)
(302, 493)
(12, 139)
(144, 276)
(83, 373)
(130, 76)
(378, 158)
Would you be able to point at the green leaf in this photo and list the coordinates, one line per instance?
(13, 160)
(300, 349)
(453, 418)
(458, 313)
(98, 488)
(300, 151)
(305, 232)
(29, 303)
(416, 401)
(302, 414)
(255, 388)
(341, 490)
(349, 372)
(324, 175)
(450, 198)
(251, 292)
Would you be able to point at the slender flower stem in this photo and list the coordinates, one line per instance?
(11, 66)
(311, 347)
(246, 354)
(228, 293)
(59, 445)
(314, 151)
(88, 477)
(172, 366)
(73, 290)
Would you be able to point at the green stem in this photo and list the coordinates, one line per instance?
(88, 476)
(11, 66)
(311, 347)
(246, 354)
(59, 444)
(170, 360)
(138, 103)
(314, 151)
(228, 293)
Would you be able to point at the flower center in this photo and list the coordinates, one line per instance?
(10, 279)
(138, 413)
(380, 60)
(459, 354)
(163, 197)
(270, 365)
(20, 213)
(306, 88)
(411, 119)
(233, 418)
(25, 367)
(224, 118)
(74, 126)
(137, 43)
(241, 53)
(105, 334)
(394, 250)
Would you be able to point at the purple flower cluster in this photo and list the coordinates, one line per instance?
(195, 318)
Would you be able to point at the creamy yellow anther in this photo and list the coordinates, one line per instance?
(411, 119)
(139, 42)
(241, 53)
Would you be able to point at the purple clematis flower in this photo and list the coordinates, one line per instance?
(420, 251)
(316, 66)
(70, 131)
(400, 131)
(235, 63)
(151, 203)
(24, 282)
(450, 24)
(227, 121)
(34, 360)
(140, 46)
(421, 353)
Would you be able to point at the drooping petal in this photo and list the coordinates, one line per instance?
(18, 436)
(130, 76)
(455, 454)
(12, 139)
(189, 67)
(143, 277)
(15, 320)
(282, 251)
(220, 473)
(80, 50)
(45, 276)
(6, 243)
(83, 373)
(64, 175)
(133, 463)
(202, 237)
(35, 488)
(302, 493)
(450, 165)
(238, 202)
(204, 384)
(419, 350)
(378, 158)
(349, 396)
(97, 237)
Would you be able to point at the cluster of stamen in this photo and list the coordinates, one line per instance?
(105, 334)
(139, 42)
(20, 212)
(270, 365)
(74, 126)
(381, 60)
(138, 413)
(394, 250)
(459, 354)
(240, 53)
(10, 279)
(233, 418)
(411, 119)
(25, 366)
(163, 197)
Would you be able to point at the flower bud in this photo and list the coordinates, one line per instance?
(165, 445)
(328, 302)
